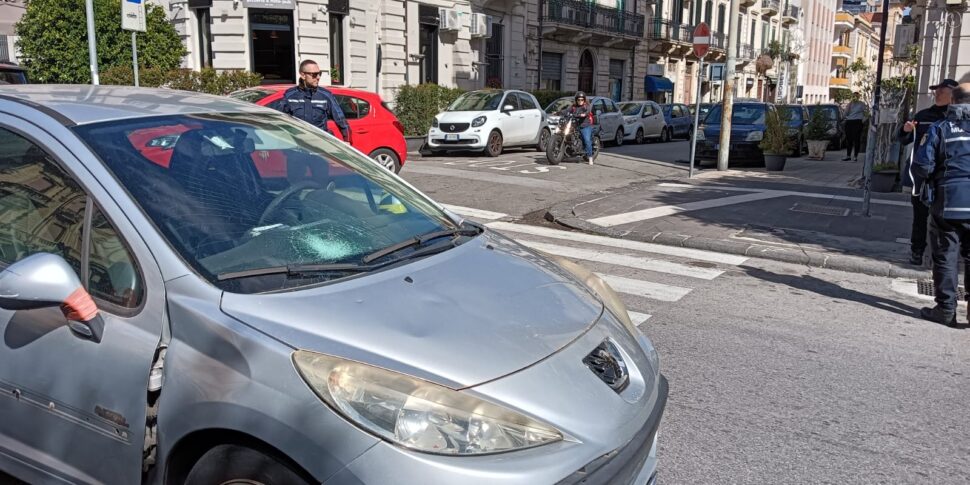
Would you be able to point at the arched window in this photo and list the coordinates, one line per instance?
(586, 72)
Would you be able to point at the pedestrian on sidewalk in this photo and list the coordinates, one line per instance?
(911, 131)
(855, 115)
(943, 163)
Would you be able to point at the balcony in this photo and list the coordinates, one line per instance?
(667, 31)
(836, 82)
(790, 15)
(770, 8)
(844, 21)
(748, 3)
(718, 42)
(842, 52)
(578, 16)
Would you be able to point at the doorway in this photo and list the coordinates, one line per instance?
(428, 44)
(271, 44)
(586, 72)
(616, 79)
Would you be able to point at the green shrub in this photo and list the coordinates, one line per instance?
(885, 167)
(775, 141)
(416, 106)
(53, 40)
(818, 126)
(152, 77)
(206, 81)
(546, 96)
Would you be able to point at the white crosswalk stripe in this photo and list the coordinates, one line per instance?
(639, 262)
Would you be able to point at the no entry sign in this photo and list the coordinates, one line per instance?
(702, 39)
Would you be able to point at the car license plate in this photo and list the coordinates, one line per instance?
(451, 137)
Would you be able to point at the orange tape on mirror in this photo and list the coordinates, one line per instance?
(79, 306)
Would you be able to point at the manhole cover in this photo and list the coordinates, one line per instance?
(825, 210)
(925, 287)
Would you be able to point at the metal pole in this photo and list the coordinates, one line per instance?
(92, 43)
(874, 120)
(697, 117)
(727, 107)
(134, 55)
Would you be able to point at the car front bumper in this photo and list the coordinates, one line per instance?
(744, 150)
(608, 437)
(470, 139)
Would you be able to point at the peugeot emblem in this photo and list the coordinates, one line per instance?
(452, 127)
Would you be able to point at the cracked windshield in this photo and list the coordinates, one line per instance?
(241, 197)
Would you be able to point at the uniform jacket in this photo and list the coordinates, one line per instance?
(943, 161)
(315, 106)
(924, 118)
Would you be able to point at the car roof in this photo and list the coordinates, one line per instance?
(84, 104)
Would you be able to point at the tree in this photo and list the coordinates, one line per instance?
(54, 40)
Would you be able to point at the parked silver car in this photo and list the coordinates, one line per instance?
(606, 114)
(643, 120)
(253, 301)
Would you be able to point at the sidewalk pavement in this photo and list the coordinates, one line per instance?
(811, 213)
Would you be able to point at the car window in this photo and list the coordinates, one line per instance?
(511, 99)
(677, 112)
(353, 108)
(42, 210)
(599, 105)
(477, 101)
(790, 113)
(242, 194)
(631, 109)
(742, 114)
(525, 101)
(610, 107)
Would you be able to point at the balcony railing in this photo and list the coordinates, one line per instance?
(718, 41)
(791, 14)
(593, 16)
(745, 51)
(770, 7)
(663, 29)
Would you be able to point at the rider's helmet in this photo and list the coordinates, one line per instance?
(579, 95)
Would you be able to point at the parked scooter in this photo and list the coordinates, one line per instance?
(567, 141)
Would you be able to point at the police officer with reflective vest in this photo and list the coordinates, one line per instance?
(313, 104)
(942, 162)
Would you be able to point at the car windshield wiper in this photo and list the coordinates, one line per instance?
(421, 241)
(296, 270)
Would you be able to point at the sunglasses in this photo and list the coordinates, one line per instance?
(312, 74)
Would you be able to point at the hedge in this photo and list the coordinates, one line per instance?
(207, 81)
(416, 106)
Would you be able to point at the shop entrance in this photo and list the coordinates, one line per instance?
(271, 38)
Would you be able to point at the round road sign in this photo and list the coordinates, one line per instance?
(702, 39)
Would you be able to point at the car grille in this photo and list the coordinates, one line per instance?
(606, 362)
(453, 127)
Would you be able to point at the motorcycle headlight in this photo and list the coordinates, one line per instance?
(478, 121)
(417, 414)
(755, 136)
(434, 122)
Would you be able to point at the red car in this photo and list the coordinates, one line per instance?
(376, 131)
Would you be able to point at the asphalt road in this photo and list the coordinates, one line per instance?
(778, 373)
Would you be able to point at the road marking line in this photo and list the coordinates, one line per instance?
(638, 318)
(667, 210)
(655, 265)
(645, 289)
(477, 213)
(785, 193)
(495, 178)
(695, 254)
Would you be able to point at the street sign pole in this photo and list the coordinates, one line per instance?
(727, 107)
(702, 42)
(134, 55)
(92, 43)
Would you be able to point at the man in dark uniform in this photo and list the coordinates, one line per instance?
(942, 93)
(943, 163)
(313, 104)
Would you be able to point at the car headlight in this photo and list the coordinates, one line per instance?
(434, 122)
(478, 121)
(755, 136)
(700, 134)
(415, 413)
(630, 119)
(831, 131)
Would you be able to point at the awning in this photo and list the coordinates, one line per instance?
(653, 84)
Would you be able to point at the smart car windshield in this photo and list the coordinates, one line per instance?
(243, 194)
(477, 101)
(743, 114)
(630, 109)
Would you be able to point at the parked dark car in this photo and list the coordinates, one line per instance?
(11, 73)
(796, 117)
(747, 131)
(680, 122)
(833, 113)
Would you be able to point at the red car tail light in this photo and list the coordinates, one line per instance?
(399, 126)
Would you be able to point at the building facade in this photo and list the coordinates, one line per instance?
(943, 31)
(814, 72)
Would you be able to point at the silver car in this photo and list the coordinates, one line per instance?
(608, 120)
(200, 290)
(643, 120)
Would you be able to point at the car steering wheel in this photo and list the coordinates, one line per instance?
(277, 202)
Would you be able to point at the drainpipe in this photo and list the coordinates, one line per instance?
(539, 74)
(633, 53)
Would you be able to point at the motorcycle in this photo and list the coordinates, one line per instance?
(567, 140)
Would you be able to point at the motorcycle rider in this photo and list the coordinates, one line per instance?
(580, 109)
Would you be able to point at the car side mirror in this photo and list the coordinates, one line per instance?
(507, 108)
(45, 280)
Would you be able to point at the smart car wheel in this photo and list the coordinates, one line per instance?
(231, 464)
(543, 140)
(493, 147)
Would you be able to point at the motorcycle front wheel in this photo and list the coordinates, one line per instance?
(555, 149)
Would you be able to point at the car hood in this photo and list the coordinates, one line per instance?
(480, 311)
(461, 116)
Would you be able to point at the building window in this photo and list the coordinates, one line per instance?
(616, 78)
(764, 35)
(428, 44)
(551, 75)
(204, 19)
(754, 28)
(272, 44)
(494, 58)
(720, 19)
(337, 49)
(708, 11)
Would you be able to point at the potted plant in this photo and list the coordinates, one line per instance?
(817, 135)
(883, 177)
(775, 143)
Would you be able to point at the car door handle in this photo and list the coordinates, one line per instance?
(362, 132)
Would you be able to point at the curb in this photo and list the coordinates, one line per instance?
(562, 214)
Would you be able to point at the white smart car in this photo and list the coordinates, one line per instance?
(489, 120)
